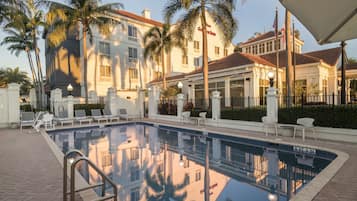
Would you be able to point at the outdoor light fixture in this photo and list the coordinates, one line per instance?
(149, 89)
(180, 85)
(181, 163)
(69, 89)
(71, 160)
(272, 196)
(271, 78)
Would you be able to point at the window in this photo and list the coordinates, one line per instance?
(133, 73)
(196, 45)
(263, 86)
(255, 49)
(269, 46)
(133, 54)
(106, 159)
(134, 154)
(216, 50)
(186, 163)
(132, 32)
(134, 173)
(184, 59)
(198, 175)
(249, 50)
(278, 45)
(262, 48)
(104, 57)
(135, 194)
(225, 52)
(196, 61)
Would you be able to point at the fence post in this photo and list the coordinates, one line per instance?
(216, 105)
(333, 99)
(302, 100)
(180, 102)
(70, 106)
(272, 104)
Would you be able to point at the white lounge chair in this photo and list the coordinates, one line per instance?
(305, 123)
(109, 115)
(27, 119)
(123, 114)
(47, 121)
(186, 116)
(201, 118)
(97, 115)
(269, 122)
(63, 118)
(80, 116)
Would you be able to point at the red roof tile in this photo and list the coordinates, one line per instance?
(261, 37)
(329, 56)
(138, 17)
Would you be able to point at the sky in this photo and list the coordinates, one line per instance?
(252, 16)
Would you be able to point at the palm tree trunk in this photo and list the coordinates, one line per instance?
(85, 64)
(289, 69)
(163, 70)
(205, 54)
(39, 68)
(34, 77)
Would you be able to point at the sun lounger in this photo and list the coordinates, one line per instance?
(97, 115)
(268, 122)
(63, 119)
(123, 114)
(27, 119)
(304, 124)
(109, 115)
(80, 116)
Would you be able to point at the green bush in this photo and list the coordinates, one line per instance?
(26, 108)
(341, 116)
(88, 107)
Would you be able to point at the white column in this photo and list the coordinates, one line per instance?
(216, 148)
(33, 98)
(13, 93)
(227, 88)
(247, 92)
(140, 103)
(57, 100)
(112, 98)
(92, 97)
(272, 104)
(180, 102)
(273, 166)
(70, 106)
(154, 94)
(216, 105)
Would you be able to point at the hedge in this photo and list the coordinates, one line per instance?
(341, 116)
(88, 107)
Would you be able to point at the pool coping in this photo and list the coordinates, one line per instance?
(308, 193)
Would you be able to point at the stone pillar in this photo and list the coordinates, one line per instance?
(216, 105)
(13, 94)
(140, 103)
(180, 102)
(272, 104)
(33, 98)
(154, 94)
(247, 92)
(112, 98)
(92, 97)
(57, 101)
(227, 92)
(216, 149)
(70, 106)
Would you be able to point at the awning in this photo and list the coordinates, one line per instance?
(328, 20)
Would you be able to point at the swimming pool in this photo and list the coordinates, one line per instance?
(153, 162)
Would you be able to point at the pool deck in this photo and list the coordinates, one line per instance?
(29, 169)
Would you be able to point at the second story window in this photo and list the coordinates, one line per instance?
(216, 50)
(269, 46)
(132, 32)
(134, 154)
(133, 54)
(249, 49)
(105, 69)
(184, 59)
(225, 53)
(261, 48)
(196, 61)
(196, 45)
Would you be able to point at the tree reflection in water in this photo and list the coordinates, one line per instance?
(160, 189)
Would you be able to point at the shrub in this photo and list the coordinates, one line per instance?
(26, 108)
(88, 107)
(245, 114)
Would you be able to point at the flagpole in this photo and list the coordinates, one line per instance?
(277, 48)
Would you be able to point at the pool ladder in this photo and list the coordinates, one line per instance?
(72, 191)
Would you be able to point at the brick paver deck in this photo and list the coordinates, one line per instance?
(30, 171)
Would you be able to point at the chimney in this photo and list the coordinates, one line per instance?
(146, 13)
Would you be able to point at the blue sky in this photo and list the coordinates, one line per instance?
(252, 15)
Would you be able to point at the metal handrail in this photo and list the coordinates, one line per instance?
(72, 183)
(100, 172)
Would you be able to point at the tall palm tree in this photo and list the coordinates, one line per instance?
(14, 75)
(289, 68)
(194, 10)
(86, 13)
(158, 42)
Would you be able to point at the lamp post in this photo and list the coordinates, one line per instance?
(180, 85)
(271, 78)
(69, 89)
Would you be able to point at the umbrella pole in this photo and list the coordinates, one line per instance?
(343, 74)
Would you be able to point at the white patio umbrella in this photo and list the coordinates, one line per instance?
(328, 20)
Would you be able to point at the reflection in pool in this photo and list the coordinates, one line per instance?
(164, 163)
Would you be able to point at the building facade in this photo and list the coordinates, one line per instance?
(117, 60)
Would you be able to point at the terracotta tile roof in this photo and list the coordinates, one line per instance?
(352, 66)
(261, 37)
(175, 77)
(138, 17)
(300, 59)
(329, 56)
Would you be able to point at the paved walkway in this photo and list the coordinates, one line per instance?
(30, 171)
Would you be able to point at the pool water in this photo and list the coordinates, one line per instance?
(150, 162)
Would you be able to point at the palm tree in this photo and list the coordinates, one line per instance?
(86, 13)
(289, 69)
(14, 75)
(158, 42)
(220, 11)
